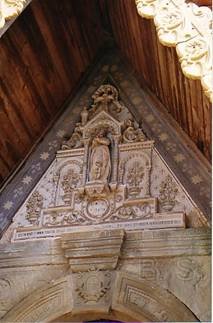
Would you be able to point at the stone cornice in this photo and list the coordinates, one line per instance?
(166, 243)
(33, 253)
(187, 27)
(102, 249)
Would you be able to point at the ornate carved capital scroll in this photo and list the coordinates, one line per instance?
(10, 9)
(93, 250)
(188, 28)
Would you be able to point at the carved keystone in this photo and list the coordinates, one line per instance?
(93, 250)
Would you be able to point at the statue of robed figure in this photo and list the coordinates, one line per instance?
(100, 163)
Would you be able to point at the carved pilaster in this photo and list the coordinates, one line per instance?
(115, 159)
(147, 182)
(85, 162)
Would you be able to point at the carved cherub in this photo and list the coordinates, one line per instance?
(132, 132)
(75, 140)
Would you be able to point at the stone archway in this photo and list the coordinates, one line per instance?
(112, 294)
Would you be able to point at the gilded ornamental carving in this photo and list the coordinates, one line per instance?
(10, 9)
(187, 27)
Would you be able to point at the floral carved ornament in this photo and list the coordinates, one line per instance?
(187, 27)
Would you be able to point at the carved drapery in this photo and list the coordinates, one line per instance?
(188, 28)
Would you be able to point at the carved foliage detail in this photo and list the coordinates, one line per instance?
(10, 9)
(33, 207)
(188, 27)
(135, 174)
(168, 192)
(70, 181)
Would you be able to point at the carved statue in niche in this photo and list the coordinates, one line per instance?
(100, 163)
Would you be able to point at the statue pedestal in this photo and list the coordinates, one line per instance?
(97, 189)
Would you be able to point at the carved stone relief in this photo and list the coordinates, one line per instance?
(33, 207)
(108, 173)
(187, 27)
(92, 287)
(10, 9)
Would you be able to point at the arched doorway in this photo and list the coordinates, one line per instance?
(126, 299)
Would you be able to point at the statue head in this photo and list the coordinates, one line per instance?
(101, 133)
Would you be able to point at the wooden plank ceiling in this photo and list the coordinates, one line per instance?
(46, 52)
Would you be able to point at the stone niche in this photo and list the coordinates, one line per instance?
(103, 234)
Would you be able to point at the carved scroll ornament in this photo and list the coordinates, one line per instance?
(188, 28)
(10, 9)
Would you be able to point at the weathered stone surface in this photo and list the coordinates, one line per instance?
(104, 232)
(142, 244)
(93, 249)
(153, 284)
(138, 297)
(186, 277)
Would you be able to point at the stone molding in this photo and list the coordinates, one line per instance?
(128, 295)
(33, 253)
(138, 298)
(166, 243)
(44, 302)
(92, 272)
(187, 27)
(98, 250)
(102, 249)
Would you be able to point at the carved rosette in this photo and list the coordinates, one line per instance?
(188, 28)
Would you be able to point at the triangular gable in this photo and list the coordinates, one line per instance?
(108, 174)
(189, 168)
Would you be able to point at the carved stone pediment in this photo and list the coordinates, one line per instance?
(102, 120)
(107, 175)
